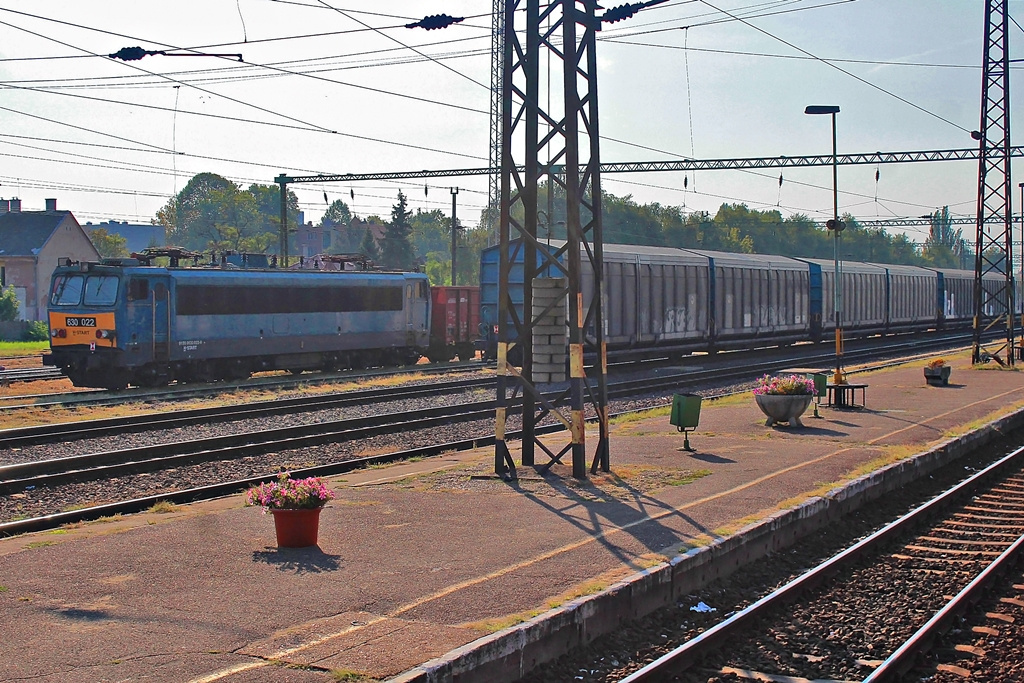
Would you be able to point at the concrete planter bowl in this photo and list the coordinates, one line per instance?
(783, 408)
(937, 377)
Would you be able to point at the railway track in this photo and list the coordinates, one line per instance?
(59, 471)
(821, 354)
(101, 397)
(668, 379)
(13, 375)
(868, 613)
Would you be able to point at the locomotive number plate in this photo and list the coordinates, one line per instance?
(76, 321)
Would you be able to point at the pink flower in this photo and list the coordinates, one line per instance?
(290, 494)
(793, 385)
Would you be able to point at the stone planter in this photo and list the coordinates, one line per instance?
(781, 408)
(938, 377)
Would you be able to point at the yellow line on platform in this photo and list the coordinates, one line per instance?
(469, 583)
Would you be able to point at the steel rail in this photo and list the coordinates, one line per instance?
(29, 374)
(103, 397)
(94, 466)
(900, 661)
(19, 437)
(689, 652)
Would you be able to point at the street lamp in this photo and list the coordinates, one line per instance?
(836, 226)
(1017, 291)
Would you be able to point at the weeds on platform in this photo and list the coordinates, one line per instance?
(162, 507)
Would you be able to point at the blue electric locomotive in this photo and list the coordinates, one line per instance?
(121, 322)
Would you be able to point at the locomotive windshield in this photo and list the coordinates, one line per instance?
(99, 290)
(67, 290)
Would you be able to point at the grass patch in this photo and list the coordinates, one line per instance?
(502, 623)
(630, 418)
(162, 507)
(107, 520)
(23, 348)
(3, 589)
(39, 544)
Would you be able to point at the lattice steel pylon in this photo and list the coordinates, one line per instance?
(573, 137)
(993, 271)
(497, 74)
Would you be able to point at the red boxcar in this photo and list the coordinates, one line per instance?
(454, 322)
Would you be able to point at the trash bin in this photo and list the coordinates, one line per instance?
(820, 388)
(685, 415)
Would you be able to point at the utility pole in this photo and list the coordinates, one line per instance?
(455, 234)
(282, 182)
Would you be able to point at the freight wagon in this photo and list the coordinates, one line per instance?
(686, 300)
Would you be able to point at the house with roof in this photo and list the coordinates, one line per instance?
(30, 244)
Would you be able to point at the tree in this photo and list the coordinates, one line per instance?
(8, 304)
(944, 246)
(211, 212)
(396, 252)
(345, 238)
(108, 244)
(337, 214)
(368, 247)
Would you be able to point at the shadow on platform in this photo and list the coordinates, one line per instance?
(309, 560)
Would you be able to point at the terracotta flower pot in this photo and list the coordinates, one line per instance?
(783, 408)
(296, 528)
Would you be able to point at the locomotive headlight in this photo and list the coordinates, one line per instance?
(104, 334)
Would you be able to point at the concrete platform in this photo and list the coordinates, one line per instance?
(434, 568)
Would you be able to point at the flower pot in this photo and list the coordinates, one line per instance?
(783, 408)
(938, 377)
(296, 528)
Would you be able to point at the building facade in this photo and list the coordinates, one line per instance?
(30, 244)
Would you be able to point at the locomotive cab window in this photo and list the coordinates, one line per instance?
(100, 290)
(67, 290)
(138, 289)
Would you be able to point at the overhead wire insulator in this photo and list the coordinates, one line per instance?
(132, 54)
(435, 21)
(626, 11)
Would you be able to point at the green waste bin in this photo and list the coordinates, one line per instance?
(685, 415)
(820, 388)
(820, 383)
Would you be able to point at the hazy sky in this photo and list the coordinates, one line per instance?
(342, 87)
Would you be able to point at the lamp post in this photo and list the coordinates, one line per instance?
(836, 226)
(1018, 291)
